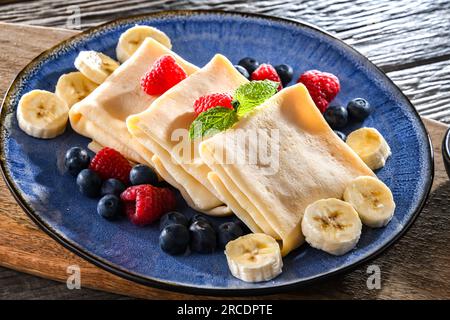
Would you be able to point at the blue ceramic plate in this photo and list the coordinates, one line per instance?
(33, 168)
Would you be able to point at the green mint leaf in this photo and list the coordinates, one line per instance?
(235, 104)
(212, 121)
(254, 93)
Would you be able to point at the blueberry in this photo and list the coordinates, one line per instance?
(112, 186)
(341, 135)
(242, 71)
(242, 225)
(199, 217)
(76, 159)
(174, 239)
(249, 64)
(203, 237)
(285, 72)
(89, 183)
(109, 207)
(202, 217)
(142, 174)
(228, 231)
(336, 116)
(359, 109)
(173, 218)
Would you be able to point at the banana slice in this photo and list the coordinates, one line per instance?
(41, 114)
(131, 39)
(331, 225)
(95, 66)
(254, 257)
(372, 199)
(73, 87)
(371, 147)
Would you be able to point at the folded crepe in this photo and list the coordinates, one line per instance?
(162, 130)
(307, 162)
(101, 115)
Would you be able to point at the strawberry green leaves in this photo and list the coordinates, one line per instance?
(246, 98)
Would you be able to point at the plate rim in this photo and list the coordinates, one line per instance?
(172, 286)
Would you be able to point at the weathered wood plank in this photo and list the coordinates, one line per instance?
(391, 33)
(21, 286)
(428, 87)
(415, 267)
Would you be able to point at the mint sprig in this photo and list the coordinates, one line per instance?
(246, 98)
(212, 121)
(252, 94)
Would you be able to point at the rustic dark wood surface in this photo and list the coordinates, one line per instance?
(407, 39)
(397, 35)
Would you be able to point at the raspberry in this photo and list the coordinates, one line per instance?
(110, 164)
(129, 207)
(266, 71)
(322, 86)
(146, 203)
(212, 100)
(163, 75)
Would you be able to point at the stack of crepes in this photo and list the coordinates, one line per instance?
(311, 161)
(162, 129)
(101, 115)
(307, 162)
(120, 101)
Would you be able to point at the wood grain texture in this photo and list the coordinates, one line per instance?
(391, 33)
(21, 286)
(428, 87)
(415, 267)
(395, 35)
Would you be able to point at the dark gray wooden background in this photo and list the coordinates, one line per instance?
(408, 39)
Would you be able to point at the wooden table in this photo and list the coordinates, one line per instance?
(407, 39)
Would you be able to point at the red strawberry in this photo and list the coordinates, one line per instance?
(109, 163)
(163, 75)
(322, 86)
(212, 100)
(146, 203)
(266, 71)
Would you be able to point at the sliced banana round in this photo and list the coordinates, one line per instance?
(95, 66)
(254, 257)
(131, 39)
(372, 199)
(331, 225)
(370, 146)
(41, 114)
(73, 87)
